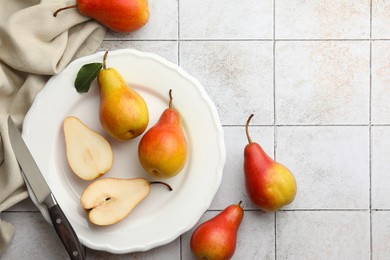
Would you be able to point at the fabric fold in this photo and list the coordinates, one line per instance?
(34, 45)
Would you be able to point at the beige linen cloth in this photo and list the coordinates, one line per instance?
(33, 46)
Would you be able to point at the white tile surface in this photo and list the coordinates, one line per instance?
(322, 82)
(323, 235)
(330, 164)
(316, 76)
(380, 82)
(232, 71)
(380, 235)
(218, 19)
(165, 49)
(380, 167)
(380, 19)
(325, 19)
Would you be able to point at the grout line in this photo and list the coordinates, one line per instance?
(312, 210)
(248, 40)
(140, 40)
(370, 132)
(274, 108)
(330, 40)
(307, 125)
(275, 236)
(274, 20)
(251, 209)
(306, 210)
(371, 19)
(178, 32)
(274, 101)
(178, 63)
(178, 19)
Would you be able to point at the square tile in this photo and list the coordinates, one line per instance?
(165, 49)
(247, 19)
(236, 75)
(255, 239)
(380, 235)
(330, 164)
(170, 251)
(162, 24)
(380, 107)
(323, 235)
(380, 19)
(380, 192)
(325, 19)
(232, 188)
(322, 82)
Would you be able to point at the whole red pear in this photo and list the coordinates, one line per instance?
(216, 238)
(269, 184)
(163, 149)
(119, 15)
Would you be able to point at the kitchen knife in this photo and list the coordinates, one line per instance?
(43, 194)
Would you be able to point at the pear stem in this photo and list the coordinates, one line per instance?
(104, 60)
(163, 183)
(63, 8)
(246, 128)
(170, 98)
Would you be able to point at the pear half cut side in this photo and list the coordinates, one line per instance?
(110, 200)
(89, 154)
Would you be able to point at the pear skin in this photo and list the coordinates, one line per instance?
(123, 112)
(162, 150)
(89, 154)
(120, 16)
(110, 200)
(217, 237)
(269, 184)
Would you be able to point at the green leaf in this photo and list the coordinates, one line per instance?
(86, 74)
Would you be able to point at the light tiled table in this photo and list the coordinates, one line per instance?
(316, 74)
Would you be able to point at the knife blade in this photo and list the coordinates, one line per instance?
(34, 178)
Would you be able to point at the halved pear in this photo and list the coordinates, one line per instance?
(89, 154)
(112, 199)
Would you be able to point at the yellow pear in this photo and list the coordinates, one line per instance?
(162, 150)
(110, 200)
(88, 153)
(123, 112)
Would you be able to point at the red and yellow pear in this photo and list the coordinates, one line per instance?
(269, 184)
(118, 15)
(162, 150)
(216, 239)
(123, 112)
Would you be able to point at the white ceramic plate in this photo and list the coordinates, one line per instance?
(163, 215)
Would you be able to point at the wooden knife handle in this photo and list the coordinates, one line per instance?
(66, 233)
